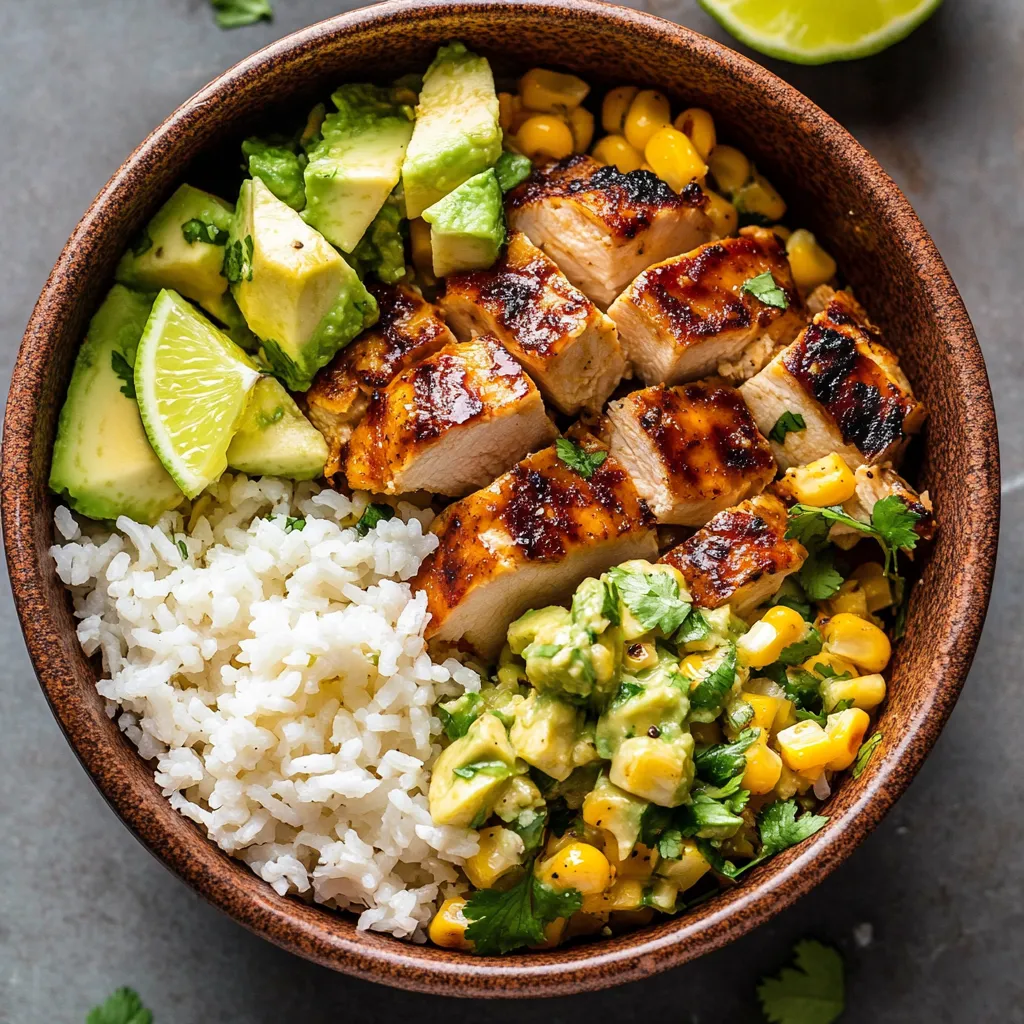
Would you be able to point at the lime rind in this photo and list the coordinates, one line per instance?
(192, 383)
(782, 44)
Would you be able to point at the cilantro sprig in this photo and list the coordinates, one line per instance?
(765, 289)
(238, 13)
(723, 761)
(866, 752)
(812, 991)
(577, 459)
(707, 697)
(787, 423)
(196, 230)
(653, 598)
(122, 1007)
(120, 365)
(373, 514)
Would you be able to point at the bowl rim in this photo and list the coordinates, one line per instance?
(575, 968)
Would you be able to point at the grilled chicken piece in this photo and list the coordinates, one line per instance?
(741, 557)
(409, 329)
(527, 541)
(449, 424)
(682, 318)
(565, 343)
(854, 398)
(691, 450)
(603, 227)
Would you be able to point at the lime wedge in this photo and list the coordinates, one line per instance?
(819, 31)
(192, 383)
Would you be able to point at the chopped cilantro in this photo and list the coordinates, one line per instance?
(670, 844)
(120, 365)
(529, 826)
(497, 769)
(828, 672)
(803, 688)
(237, 264)
(739, 714)
(578, 460)
(780, 828)
(792, 595)
(708, 696)
(293, 523)
(653, 598)
(723, 761)
(718, 863)
(694, 629)
(802, 649)
(893, 520)
(372, 515)
(458, 715)
(183, 549)
(196, 230)
(503, 921)
(809, 992)
(864, 755)
(803, 715)
(708, 818)
(123, 1007)
(788, 422)
(238, 13)
(625, 691)
(764, 288)
(819, 576)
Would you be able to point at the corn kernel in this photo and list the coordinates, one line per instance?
(846, 732)
(686, 870)
(768, 638)
(729, 167)
(577, 866)
(638, 864)
(614, 149)
(763, 769)
(839, 665)
(674, 159)
(581, 124)
(857, 640)
(625, 894)
(850, 598)
(544, 135)
(692, 666)
(448, 927)
(865, 692)
(877, 593)
(759, 196)
(648, 113)
(765, 710)
(781, 232)
(699, 126)
(551, 91)
(804, 745)
(786, 716)
(615, 106)
(723, 215)
(826, 481)
(810, 264)
(498, 853)
(648, 768)
(639, 656)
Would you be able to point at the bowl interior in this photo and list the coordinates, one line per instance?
(833, 187)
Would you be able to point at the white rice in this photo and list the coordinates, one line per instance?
(280, 682)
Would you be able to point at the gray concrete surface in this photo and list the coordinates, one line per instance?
(84, 908)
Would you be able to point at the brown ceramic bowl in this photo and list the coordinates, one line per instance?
(835, 188)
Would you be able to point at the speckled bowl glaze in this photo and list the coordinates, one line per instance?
(834, 187)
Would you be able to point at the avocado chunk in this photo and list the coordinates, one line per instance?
(102, 461)
(298, 295)
(512, 169)
(613, 809)
(545, 734)
(274, 438)
(457, 133)
(467, 226)
(469, 775)
(537, 626)
(356, 163)
(182, 248)
(656, 769)
(381, 251)
(280, 168)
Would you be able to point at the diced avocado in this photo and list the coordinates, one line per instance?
(521, 794)
(381, 251)
(512, 169)
(182, 248)
(469, 775)
(299, 297)
(575, 666)
(595, 606)
(102, 461)
(539, 625)
(545, 732)
(651, 703)
(467, 226)
(457, 133)
(616, 811)
(655, 768)
(274, 438)
(280, 168)
(356, 163)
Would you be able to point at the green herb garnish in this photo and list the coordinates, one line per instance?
(653, 598)
(723, 761)
(237, 264)
(123, 1007)
(196, 230)
(864, 755)
(372, 515)
(497, 769)
(239, 13)
(812, 991)
(578, 460)
(788, 422)
(764, 288)
(120, 365)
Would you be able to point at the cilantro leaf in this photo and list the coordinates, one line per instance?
(792, 595)
(120, 365)
(828, 672)
(496, 769)
(652, 597)
(819, 576)
(718, 863)
(723, 761)
(237, 264)
(708, 818)
(764, 288)
(893, 520)
(694, 629)
(238, 13)
(653, 823)
(529, 826)
(864, 755)
(123, 1007)
(739, 714)
(183, 549)
(503, 921)
(458, 715)
(196, 230)
(780, 828)
(625, 691)
(822, 719)
(802, 649)
(670, 844)
(709, 693)
(372, 515)
(578, 460)
(512, 169)
(810, 992)
(293, 523)
(788, 422)
(803, 688)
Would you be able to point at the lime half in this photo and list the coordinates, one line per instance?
(819, 31)
(192, 382)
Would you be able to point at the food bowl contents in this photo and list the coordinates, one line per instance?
(490, 523)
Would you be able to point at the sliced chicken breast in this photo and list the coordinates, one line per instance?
(692, 450)
(409, 329)
(564, 342)
(681, 319)
(526, 541)
(741, 557)
(448, 425)
(853, 397)
(602, 227)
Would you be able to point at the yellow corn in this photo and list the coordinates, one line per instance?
(766, 639)
(759, 196)
(422, 254)
(781, 232)
(551, 91)
(857, 640)
(729, 167)
(614, 149)
(723, 215)
(850, 597)
(581, 124)
(810, 264)
(625, 894)
(544, 135)
(763, 769)
(765, 709)
(648, 113)
(692, 666)
(495, 856)
(510, 112)
(699, 126)
(826, 481)
(866, 692)
(448, 927)
(786, 716)
(674, 159)
(877, 593)
(846, 731)
(833, 661)
(639, 864)
(804, 746)
(639, 656)
(577, 866)
(688, 869)
(615, 106)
